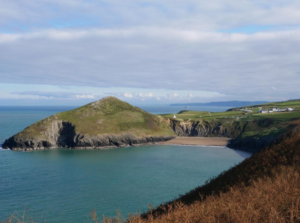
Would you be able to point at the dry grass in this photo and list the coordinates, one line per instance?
(270, 199)
(264, 188)
(24, 217)
(267, 200)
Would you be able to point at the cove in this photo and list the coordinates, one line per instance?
(65, 185)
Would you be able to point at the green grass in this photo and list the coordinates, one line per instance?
(195, 115)
(112, 115)
(295, 104)
(281, 116)
(109, 115)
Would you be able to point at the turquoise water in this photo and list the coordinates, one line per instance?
(65, 185)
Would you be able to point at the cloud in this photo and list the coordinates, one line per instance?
(192, 14)
(128, 95)
(168, 45)
(230, 64)
(145, 95)
(85, 96)
(172, 96)
(56, 95)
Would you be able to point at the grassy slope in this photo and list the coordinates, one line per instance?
(283, 104)
(254, 123)
(109, 115)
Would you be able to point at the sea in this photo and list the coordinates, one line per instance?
(62, 185)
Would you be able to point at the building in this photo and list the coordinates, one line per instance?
(282, 109)
(174, 116)
(263, 111)
(290, 109)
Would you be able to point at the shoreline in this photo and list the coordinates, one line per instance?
(198, 141)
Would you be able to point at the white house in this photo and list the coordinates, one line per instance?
(290, 109)
(282, 109)
(263, 111)
(174, 116)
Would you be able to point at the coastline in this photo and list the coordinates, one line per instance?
(198, 141)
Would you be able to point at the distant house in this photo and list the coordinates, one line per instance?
(246, 110)
(275, 109)
(290, 109)
(282, 109)
(263, 111)
(174, 116)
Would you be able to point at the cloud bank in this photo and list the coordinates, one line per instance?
(256, 64)
(244, 49)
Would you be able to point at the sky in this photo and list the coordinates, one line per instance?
(71, 52)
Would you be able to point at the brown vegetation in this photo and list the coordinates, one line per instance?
(263, 188)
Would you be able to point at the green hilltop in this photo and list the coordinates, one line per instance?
(108, 115)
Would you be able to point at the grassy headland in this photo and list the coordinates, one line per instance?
(245, 124)
(109, 115)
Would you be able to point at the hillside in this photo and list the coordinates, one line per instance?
(108, 122)
(263, 188)
(222, 103)
(282, 104)
(248, 129)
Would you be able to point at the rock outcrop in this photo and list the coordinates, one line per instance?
(233, 130)
(205, 129)
(63, 134)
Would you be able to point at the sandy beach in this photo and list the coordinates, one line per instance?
(203, 141)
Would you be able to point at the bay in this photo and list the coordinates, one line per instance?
(65, 185)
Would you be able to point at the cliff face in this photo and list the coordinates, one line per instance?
(63, 134)
(252, 144)
(237, 130)
(205, 129)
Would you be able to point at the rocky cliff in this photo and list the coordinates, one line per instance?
(62, 134)
(252, 135)
(205, 129)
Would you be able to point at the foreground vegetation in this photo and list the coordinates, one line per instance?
(263, 188)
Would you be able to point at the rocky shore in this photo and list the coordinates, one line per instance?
(63, 135)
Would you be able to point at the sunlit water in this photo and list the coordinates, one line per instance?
(65, 185)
